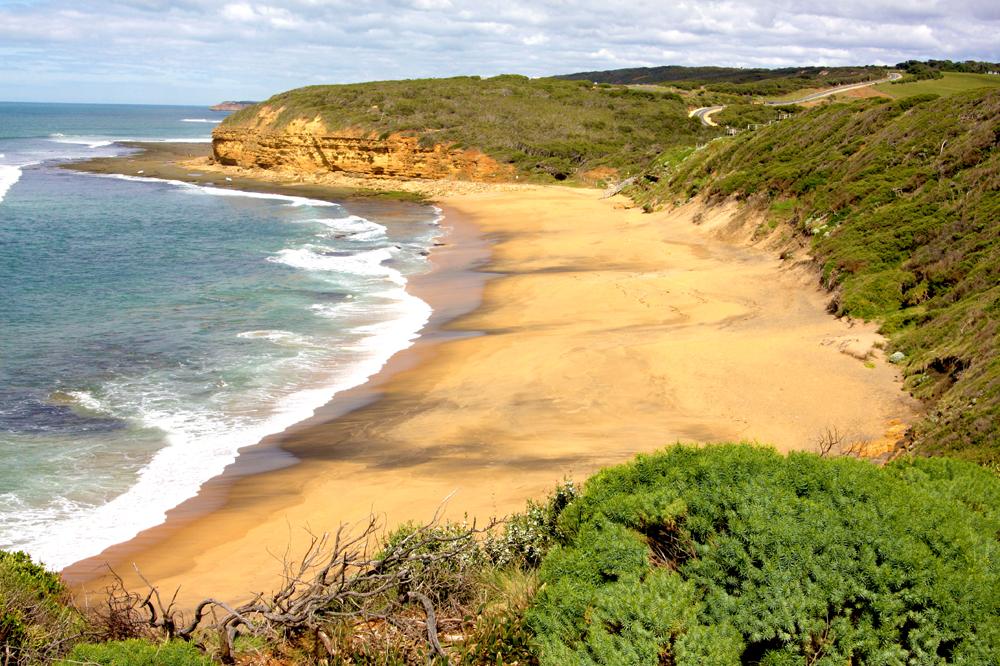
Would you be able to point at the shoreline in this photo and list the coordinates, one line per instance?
(452, 287)
(608, 333)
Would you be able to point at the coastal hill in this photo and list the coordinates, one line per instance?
(231, 106)
(481, 129)
(897, 202)
(734, 80)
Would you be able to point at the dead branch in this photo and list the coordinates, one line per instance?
(432, 637)
(341, 577)
(830, 441)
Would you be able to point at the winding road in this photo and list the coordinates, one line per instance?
(894, 76)
(704, 113)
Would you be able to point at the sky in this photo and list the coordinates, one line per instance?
(205, 51)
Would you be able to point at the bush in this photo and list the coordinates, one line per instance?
(37, 623)
(734, 554)
(135, 652)
(448, 580)
(527, 536)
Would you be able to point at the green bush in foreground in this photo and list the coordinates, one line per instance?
(135, 652)
(36, 623)
(735, 554)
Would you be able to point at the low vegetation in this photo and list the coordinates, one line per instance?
(726, 554)
(546, 128)
(737, 555)
(37, 622)
(742, 115)
(898, 202)
(939, 83)
(734, 80)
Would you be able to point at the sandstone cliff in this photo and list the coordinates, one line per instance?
(313, 149)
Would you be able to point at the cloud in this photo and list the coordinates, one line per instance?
(203, 50)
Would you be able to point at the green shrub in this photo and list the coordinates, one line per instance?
(499, 633)
(135, 652)
(37, 622)
(443, 579)
(735, 554)
(528, 535)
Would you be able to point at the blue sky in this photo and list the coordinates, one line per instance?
(203, 51)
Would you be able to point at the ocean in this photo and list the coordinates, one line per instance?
(150, 329)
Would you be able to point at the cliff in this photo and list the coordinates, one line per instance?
(541, 129)
(315, 150)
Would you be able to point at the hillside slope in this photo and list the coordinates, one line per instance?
(901, 201)
(734, 80)
(542, 127)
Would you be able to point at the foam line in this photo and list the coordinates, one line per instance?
(9, 175)
(219, 191)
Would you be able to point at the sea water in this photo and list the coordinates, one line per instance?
(150, 329)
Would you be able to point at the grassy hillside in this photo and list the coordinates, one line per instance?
(719, 555)
(900, 202)
(712, 75)
(544, 127)
(950, 83)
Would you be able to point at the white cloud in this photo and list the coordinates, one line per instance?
(239, 12)
(197, 50)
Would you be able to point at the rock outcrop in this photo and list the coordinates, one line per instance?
(315, 150)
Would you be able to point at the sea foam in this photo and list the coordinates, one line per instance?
(9, 175)
(219, 191)
(317, 258)
(352, 227)
(198, 444)
(199, 448)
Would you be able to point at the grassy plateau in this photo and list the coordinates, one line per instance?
(544, 127)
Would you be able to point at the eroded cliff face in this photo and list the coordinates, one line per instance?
(311, 149)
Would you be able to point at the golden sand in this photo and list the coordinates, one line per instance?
(606, 332)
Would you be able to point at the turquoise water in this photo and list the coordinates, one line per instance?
(150, 329)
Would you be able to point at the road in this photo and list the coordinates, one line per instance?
(839, 89)
(704, 114)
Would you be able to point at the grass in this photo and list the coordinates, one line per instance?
(546, 128)
(951, 83)
(754, 80)
(899, 201)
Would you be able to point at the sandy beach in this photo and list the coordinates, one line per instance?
(592, 333)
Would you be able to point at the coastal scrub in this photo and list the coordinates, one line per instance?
(898, 202)
(735, 554)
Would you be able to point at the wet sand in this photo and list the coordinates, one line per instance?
(603, 332)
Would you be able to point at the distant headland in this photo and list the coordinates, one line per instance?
(232, 106)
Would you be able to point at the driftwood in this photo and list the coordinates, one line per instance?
(343, 576)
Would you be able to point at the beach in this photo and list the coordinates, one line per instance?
(571, 332)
